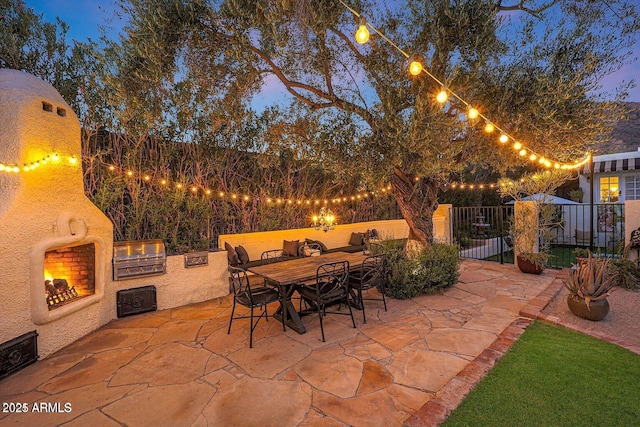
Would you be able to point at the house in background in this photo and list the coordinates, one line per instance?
(616, 178)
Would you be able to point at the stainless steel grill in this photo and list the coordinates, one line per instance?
(138, 258)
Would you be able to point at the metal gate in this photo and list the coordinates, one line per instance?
(482, 232)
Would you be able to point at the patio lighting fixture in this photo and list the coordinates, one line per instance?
(362, 35)
(442, 96)
(325, 220)
(415, 68)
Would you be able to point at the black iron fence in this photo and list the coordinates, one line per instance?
(483, 232)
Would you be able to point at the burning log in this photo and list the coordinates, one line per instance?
(49, 288)
(58, 292)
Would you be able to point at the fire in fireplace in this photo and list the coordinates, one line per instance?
(69, 274)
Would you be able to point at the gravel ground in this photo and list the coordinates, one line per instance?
(622, 322)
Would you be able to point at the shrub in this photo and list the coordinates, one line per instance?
(431, 271)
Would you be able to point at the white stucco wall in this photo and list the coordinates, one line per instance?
(258, 242)
(182, 286)
(46, 209)
(631, 222)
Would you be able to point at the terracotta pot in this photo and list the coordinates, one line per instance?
(527, 266)
(597, 310)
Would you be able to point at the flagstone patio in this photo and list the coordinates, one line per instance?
(179, 367)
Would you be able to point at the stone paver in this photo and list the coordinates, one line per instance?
(409, 365)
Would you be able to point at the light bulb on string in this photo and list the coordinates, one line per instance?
(504, 138)
(415, 67)
(473, 113)
(362, 35)
(517, 146)
(442, 96)
(522, 152)
(489, 127)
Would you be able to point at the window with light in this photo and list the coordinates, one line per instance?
(632, 187)
(609, 189)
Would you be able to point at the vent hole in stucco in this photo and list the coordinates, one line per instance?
(47, 107)
(61, 112)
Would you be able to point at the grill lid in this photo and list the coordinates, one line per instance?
(138, 258)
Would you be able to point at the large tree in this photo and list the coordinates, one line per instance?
(530, 66)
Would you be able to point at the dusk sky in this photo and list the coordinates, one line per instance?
(85, 16)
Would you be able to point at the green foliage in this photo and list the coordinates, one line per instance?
(625, 273)
(591, 279)
(430, 271)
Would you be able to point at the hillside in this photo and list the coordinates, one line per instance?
(626, 135)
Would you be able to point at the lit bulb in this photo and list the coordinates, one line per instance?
(442, 96)
(163, 181)
(147, 178)
(246, 198)
(415, 68)
(207, 192)
(15, 169)
(221, 194)
(533, 157)
(2, 167)
(73, 160)
(517, 146)
(523, 152)
(269, 200)
(179, 186)
(473, 113)
(194, 189)
(129, 173)
(112, 168)
(489, 127)
(504, 138)
(362, 35)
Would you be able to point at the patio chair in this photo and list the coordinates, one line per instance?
(329, 288)
(371, 274)
(244, 295)
(273, 255)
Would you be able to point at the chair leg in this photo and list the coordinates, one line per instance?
(361, 302)
(233, 309)
(320, 309)
(351, 312)
(251, 330)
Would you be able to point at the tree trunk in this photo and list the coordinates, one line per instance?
(417, 200)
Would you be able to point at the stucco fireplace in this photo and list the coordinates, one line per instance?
(55, 245)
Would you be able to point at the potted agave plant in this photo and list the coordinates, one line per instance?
(589, 285)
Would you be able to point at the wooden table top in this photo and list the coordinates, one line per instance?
(304, 269)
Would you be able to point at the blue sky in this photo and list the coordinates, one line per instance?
(84, 18)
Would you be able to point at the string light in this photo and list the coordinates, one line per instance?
(442, 96)
(362, 35)
(31, 166)
(416, 68)
(196, 190)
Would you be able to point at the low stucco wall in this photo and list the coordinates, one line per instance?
(258, 242)
(182, 286)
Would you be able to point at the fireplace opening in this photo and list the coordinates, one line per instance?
(69, 274)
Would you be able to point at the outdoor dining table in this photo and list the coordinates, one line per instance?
(288, 273)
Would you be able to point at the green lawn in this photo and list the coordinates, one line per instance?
(556, 377)
(561, 256)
